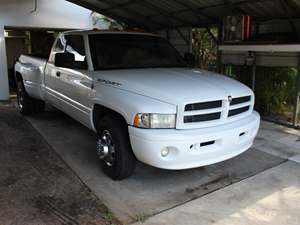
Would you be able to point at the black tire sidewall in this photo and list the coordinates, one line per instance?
(124, 163)
(26, 104)
(30, 105)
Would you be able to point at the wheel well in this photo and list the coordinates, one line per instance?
(100, 111)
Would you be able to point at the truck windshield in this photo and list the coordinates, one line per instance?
(124, 51)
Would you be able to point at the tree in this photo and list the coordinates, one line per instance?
(205, 48)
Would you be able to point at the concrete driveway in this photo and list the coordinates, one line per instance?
(212, 194)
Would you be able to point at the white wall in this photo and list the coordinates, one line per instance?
(50, 14)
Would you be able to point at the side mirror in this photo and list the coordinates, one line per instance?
(189, 59)
(67, 60)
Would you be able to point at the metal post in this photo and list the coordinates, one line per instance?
(219, 53)
(296, 105)
(191, 41)
(4, 88)
(253, 73)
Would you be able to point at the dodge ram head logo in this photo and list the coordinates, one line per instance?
(229, 98)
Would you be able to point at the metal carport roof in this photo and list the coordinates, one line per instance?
(159, 14)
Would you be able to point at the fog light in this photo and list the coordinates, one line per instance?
(165, 152)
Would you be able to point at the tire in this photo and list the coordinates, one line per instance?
(119, 162)
(26, 104)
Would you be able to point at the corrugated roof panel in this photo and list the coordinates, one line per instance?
(198, 4)
(142, 9)
(219, 12)
(266, 9)
(96, 3)
(167, 21)
(165, 5)
(170, 13)
(192, 19)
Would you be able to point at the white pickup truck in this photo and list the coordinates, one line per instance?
(143, 101)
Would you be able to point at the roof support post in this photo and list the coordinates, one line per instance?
(4, 89)
(253, 78)
(219, 52)
(191, 40)
(296, 104)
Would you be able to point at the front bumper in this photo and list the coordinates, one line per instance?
(219, 143)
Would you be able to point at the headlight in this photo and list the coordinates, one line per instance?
(150, 120)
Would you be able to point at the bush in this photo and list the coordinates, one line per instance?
(274, 88)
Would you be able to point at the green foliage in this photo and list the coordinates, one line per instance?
(100, 21)
(274, 88)
(204, 48)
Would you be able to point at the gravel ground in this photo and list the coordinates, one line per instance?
(36, 186)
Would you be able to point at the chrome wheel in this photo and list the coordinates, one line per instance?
(106, 148)
(20, 95)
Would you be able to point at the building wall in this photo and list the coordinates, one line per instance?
(58, 14)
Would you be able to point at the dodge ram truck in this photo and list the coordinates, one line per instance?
(142, 98)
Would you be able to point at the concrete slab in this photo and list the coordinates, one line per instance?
(36, 185)
(271, 197)
(295, 158)
(278, 140)
(149, 191)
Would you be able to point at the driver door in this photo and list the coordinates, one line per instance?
(73, 86)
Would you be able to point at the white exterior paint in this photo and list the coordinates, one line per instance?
(261, 48)
(272, 55)
(154, 91)
(4, 90)
(49, 14)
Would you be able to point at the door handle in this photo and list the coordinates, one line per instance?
(58, 73)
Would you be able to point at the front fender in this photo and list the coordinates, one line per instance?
(128, 104)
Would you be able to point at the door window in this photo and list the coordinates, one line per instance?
(75, 45)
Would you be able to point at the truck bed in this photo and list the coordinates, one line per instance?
(32, 70)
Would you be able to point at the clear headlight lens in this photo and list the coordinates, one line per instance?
(158, 121)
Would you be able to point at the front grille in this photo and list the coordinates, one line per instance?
(240, 100)
(201, 118)
(235, 112)
(203, 105)
(217, 110)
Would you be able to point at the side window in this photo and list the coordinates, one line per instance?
(75, 45)
(60, 44)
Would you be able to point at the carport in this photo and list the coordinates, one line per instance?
(213, 193)
(175, 19)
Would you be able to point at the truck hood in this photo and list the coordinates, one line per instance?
(174, 85)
